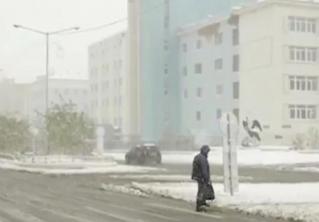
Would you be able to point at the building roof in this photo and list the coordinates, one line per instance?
(242, 9)
(210, 20)
(265, 3)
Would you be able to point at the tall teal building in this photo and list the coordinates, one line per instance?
(157, 25)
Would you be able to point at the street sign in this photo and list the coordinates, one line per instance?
(229, 127)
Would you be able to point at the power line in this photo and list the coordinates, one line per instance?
(106, 25)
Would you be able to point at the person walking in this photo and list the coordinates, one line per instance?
(201, 174)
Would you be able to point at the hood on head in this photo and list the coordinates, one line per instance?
(204, 150)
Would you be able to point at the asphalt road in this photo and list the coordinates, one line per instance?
(258, 174)
(26, 197)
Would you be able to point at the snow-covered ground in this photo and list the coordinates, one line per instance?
(70, 165)
(297, 201)
(307, 169)
(255, 156)
(171, 177)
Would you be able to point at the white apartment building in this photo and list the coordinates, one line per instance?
(261, 63)
(209, 69)
(60, 91)
(14, 98)
(109, 83)
(27, 100)
(279, 45)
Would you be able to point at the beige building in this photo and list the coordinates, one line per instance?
(14, 98)
(279, 67)
(110, 97)
(60, 91)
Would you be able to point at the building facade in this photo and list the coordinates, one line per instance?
(209, 77)
(261, 63)
(61, 91)
(279, 43)
(27, 100)
(154, 45)
(14, 98)
(109, 84)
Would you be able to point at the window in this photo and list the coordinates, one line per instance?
(185, 70)
(303, 83)
(235, 37)
(166, 45)
(303, 112)
(219, 90)
(218, 38)
(236, 90)
(198, 68)
(218, 113)
(198, 116)
(302, 54)
(185, 93)
(302, 24)
(199, 92)
(184, 47)
(219, 64)
(236, 63)
(199, 44)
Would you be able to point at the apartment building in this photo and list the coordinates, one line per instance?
(279, 43)
(154, 50)
(109, 84)
(209, 76)
(261, 63)
(14, 98)
(60, 91)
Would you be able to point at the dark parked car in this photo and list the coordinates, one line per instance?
(144, 154)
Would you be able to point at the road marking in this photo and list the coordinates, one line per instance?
(20, 215)
(171, 208)
(145, 212)
(117, 217)
(57, 213)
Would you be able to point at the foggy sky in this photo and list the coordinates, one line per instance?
(22, 53)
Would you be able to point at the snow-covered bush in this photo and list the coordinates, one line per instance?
(313, 138)
(299, 141)
(309, 140)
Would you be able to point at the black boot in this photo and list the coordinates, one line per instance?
(200, 207)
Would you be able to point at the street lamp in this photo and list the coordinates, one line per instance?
(47, 35)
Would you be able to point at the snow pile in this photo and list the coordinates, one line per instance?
(264, 155)
(73, 167)
(298, 201)
(307, 169)
(125, 189)
(171, 177)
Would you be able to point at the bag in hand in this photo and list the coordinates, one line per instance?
(209, 192)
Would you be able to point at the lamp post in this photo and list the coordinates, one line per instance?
(47, 36)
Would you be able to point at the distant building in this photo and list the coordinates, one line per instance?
(110, 99)
(27, 100)
(209, 77)
(154, 50)
(60, 91)
(14, 98)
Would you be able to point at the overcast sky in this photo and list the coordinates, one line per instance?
(22, 53)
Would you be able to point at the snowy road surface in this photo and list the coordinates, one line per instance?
(26, 197)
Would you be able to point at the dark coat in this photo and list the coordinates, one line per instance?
(201, 172)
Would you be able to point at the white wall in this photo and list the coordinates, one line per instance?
(264, 92)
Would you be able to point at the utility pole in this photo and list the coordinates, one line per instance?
(47, 35)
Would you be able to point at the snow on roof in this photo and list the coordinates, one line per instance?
(240, 9)
(263, 3)
(210, 20)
